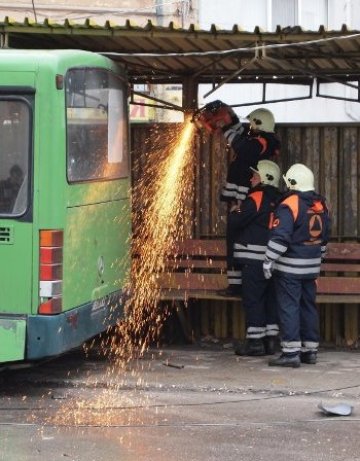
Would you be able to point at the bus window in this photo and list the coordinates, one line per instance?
(96, 125)
(14, 156)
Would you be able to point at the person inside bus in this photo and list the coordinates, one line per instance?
(9, 189)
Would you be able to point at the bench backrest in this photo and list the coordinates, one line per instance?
(200, 264)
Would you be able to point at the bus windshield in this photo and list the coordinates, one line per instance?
(96, 125)
(14, 155)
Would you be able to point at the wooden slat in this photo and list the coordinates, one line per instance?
(212, 282)
(198, 247)
(190, 281)
(210, 264)
(333, 298)
(339, 285)
(339, 267)
(343, 251)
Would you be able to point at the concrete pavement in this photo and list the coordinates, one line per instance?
(182, 403)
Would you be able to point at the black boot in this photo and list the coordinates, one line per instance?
(286, 360)
(271, 344)
(309, 357)
(251, 347)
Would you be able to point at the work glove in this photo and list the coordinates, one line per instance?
(268, 267)
(323, 253)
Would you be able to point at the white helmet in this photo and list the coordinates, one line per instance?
(262, 120)
(268, 171)
(299, 177)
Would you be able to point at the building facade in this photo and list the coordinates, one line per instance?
(267, 15)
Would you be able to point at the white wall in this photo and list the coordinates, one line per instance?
(310, 15)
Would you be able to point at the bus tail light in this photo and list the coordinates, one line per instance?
(50, 271)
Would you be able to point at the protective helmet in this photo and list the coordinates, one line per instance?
(299, 177)
(262, 120)
(269, 172)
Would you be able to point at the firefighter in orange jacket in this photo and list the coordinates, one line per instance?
(249, 145)
(251, 224)
(298, 239)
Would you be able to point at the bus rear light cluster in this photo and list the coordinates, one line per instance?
(50, 271)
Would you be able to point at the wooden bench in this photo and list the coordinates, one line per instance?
(196, 269)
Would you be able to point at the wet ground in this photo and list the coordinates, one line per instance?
(180, 403)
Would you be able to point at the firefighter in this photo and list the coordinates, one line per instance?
(298, 239)
(251, 224)
(250, 144)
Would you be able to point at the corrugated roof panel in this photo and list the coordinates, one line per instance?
(214, 54)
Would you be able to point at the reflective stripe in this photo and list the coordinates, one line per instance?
(290, 350)
(272, 330)
(250, 246)
(240, 196)
(271, 255)
(234, 273)
(297, 270)
(310, 346)
(248, 255)
(277, 246)
(299, 261)
(234, 277)
(235, 187)
(256, 252)
(290, 347)
(234, 191)
(255, 329)
(255, 332)
(232, 132)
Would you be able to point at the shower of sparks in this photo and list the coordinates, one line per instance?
(161, 217)
(162, 214)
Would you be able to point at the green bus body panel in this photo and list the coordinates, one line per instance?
(12, 339)
(92, 267)
(16, 254)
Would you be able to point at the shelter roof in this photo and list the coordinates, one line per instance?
(168, 54)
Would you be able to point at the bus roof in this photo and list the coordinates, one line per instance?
(30, 60)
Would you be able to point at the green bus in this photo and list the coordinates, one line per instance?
(64, 200)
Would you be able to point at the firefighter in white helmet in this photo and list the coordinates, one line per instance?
(250, 143)
(298, 238)
(251, 223)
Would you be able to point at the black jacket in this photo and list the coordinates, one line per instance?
(251, 224)
(249, 148)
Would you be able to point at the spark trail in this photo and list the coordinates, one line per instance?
(161, 217)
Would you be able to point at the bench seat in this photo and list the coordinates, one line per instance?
(196, 269)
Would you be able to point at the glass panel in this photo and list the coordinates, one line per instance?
(14, 156)
(313, 14)
(284, 13)
(96, 125)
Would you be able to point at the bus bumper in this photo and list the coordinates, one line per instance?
(49, 335)
(12, 339)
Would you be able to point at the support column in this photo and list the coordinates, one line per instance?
(190, 104)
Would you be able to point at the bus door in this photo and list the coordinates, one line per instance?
(16, 230)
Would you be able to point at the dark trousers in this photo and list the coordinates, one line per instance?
(298, 314)
(259, 301)
(233, 268)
